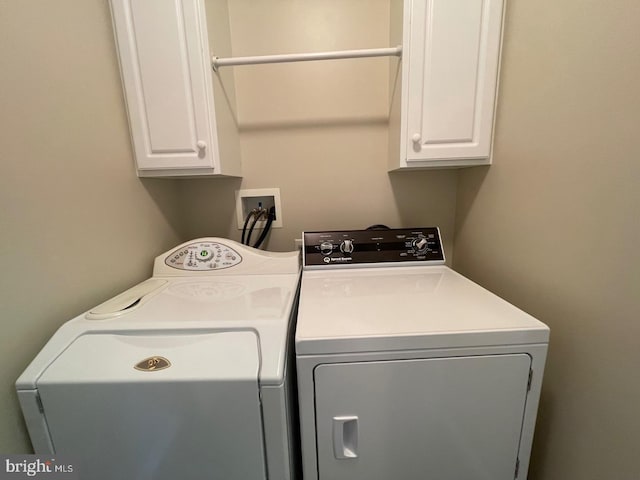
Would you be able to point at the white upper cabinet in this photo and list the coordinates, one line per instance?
(183, 116)
(163, 46)
(445, 102)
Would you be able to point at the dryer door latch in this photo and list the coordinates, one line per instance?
(345, 437)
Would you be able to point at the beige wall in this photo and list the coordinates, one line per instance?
(317, 130)
(76, 224)
(553, 225)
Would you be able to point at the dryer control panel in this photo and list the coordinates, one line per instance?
(404, 246)
(203, 256)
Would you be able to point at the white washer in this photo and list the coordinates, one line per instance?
(187, 375)
(406, 369)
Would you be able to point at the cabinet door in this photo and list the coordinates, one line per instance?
(163, 57)
(454, 49)
(444, 418)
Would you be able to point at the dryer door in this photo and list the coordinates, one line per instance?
(159, 407)
(442, 418)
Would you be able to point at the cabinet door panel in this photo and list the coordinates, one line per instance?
(169, 118)
(445, 418)
(454, 51)
(161, 50)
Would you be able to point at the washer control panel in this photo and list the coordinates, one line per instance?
(203, 256)
(358, 247)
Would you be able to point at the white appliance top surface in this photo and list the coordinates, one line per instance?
(259, 299)
(400, 308)
(186, 305)
(232, 302)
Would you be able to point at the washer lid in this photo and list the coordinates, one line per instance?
(399, 308)
(127, 300)
(107, 358)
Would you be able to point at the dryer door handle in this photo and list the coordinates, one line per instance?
(345, 436)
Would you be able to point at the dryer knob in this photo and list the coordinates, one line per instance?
(346, 246)
(326, 248)
(420, 244)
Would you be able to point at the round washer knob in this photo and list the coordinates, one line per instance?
(346, 246)
(326, 248)
(204, 254)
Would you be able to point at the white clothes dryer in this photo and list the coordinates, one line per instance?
(187, 375)
(407, 369)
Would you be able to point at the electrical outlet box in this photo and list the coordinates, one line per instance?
(249, 199)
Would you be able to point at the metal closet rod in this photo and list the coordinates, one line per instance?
(306, 57)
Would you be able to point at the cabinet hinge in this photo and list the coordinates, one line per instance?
(39, 402)
(529, 381)
(517, 468)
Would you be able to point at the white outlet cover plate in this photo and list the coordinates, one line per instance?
(259, 192)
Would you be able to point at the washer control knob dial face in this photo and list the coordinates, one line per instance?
(346, 246)
(326, 248)
(204, 254)
(420, 244)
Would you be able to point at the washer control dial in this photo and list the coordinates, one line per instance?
(203, 256)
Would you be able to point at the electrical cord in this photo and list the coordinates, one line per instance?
(261, 212)
(271, 217)
(378, 226)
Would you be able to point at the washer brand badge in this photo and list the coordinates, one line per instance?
(153, 364)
